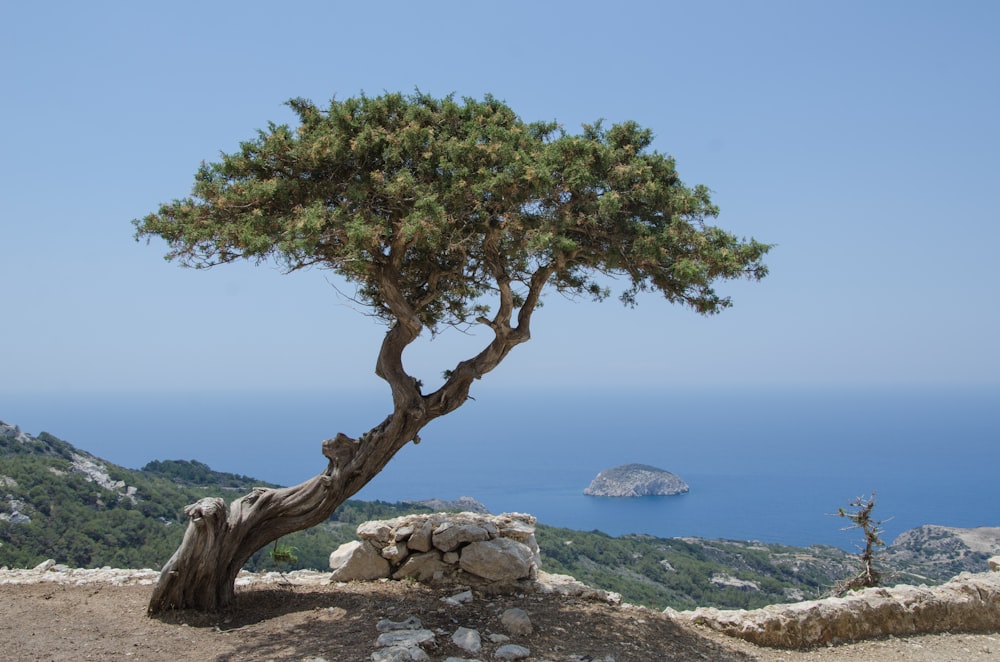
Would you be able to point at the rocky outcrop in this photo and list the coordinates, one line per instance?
(13, 440)
(462, 504)
(940, 552)
(967, 603)
(96, 472)
(13, 433)
(494, 551)
(635, 480)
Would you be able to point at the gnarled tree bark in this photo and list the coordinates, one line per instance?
(202, 572)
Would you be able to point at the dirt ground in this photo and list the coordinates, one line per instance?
(51, 621)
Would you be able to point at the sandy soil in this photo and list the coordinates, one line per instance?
(54, 621)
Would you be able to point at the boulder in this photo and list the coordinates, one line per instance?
(498, 560)
(376, 530)
(448, 536)
(516, 526)
(358, 561)
(420, 538)
(395, 553)
(426, 567)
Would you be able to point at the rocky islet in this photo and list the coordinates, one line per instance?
(636, 480)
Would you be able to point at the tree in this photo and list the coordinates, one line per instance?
(442, 213)
(860, 516)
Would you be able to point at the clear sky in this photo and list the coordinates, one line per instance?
(860, 137)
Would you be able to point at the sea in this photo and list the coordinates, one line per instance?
(767, 464)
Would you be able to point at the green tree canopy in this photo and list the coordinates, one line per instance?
(436, 208)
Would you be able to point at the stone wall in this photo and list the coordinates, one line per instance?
(968, 603)
(481, 550)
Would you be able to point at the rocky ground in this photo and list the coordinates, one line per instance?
(83, 615)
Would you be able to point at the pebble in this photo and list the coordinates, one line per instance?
(408, 623)
(400, 654)
(516, 622)
(405, 638)
(512, 652)
(457, 599)
(468, 640)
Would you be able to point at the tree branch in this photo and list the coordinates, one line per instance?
(406, 395)
(455, 390)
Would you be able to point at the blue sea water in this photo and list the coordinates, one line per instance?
(762, 464)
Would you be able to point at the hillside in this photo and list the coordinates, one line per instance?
(59, 502)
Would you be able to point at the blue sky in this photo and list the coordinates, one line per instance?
(860, 137)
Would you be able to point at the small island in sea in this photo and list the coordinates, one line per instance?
(635, 480)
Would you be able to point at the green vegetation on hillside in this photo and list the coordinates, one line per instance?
(685, 573)
(79, 523)
(193, 472)
(140, 522)
(137, 520)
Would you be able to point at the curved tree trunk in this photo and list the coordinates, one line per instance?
(202, 572)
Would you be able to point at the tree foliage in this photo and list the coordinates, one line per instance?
(434, 206)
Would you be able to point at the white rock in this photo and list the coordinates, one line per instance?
(374, 530)
(501, 559)
(458, 598)
(516, 622)
(395, 552)
(518, 526)
(357, 561)
(404, 638)
(449, 537)
(420, 539)
(511, 652)
(400, 654)
(426, 567)
(468, 640)
(408, 623)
